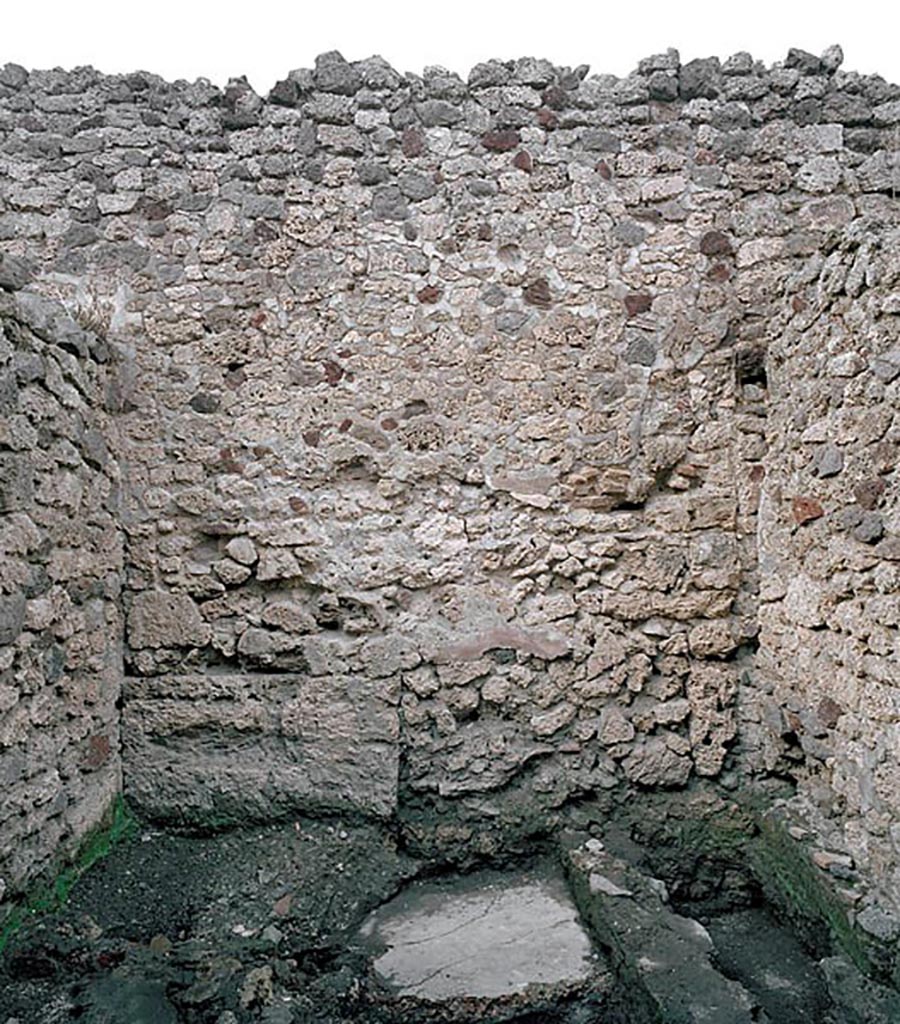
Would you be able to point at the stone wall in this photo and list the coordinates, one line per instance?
(444, 410)
(60, 581)
(830, 548)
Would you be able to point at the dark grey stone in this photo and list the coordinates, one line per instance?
(850, 517)
(16, 482)
(117, 999)
(629, 232)
(886, 367)
(808, 111)
(489, 74)
(738, 64)
(870, 529)
(263, 207)
(80, 234)
(806, 63)
(700, 78)
(9, 393)
(433, 113)
(732, 117)
(847, 108)
(13, 76)
(599, 141)
(483, 188)
(205, 402)
(389, 203)
(662, 86)
(285, 93)
(444, 85)
(511, 320)
(372, 173)
(334, 74)
(29, 366)
(15, 273)
(641, 350)
(377, 74)
(12, 616)
(827, 461)
(416, 187)
(116, 255)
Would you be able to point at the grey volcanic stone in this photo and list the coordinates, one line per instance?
(700, 78)
(827, 461)
(12, 617)
(334, 74)
(389, 203)
(15, 273)
(117, 999)
(433, 113)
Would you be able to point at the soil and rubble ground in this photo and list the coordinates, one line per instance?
(263, 925)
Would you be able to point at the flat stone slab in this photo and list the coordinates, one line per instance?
(486, 935)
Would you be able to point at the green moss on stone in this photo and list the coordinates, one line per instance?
(117, 825)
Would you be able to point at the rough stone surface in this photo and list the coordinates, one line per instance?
(484, 936)
(323, 741)
(61, 565)
(529, 413)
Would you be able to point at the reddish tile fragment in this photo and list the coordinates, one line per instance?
(538, 294)
(638, 302)
(806, 510)
(715, 243)
(547, 119)
(501, 141)
(412, 142)
(523, 161)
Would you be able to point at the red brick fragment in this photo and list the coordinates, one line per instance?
(719, 272)
(297, 504)
(828, 712)
(501, 141)
(389, 423)
(412, 142)
(429, 295)
(604, 170)
(868, 493)
(715, 243)
(798, 303)
(638, 302)
(547, 119)
(282, 907)
(523, 161)
(538, 294)
(99, 749)
(806, 510)
(555, 97)
(333, 372)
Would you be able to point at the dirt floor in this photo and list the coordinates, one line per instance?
(258, 926)
(249, 925)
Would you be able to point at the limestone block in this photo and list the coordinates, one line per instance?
(161, 619)
(207, 749)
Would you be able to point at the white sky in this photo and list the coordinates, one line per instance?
(264, 40)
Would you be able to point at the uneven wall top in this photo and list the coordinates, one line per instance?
(443, 410)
